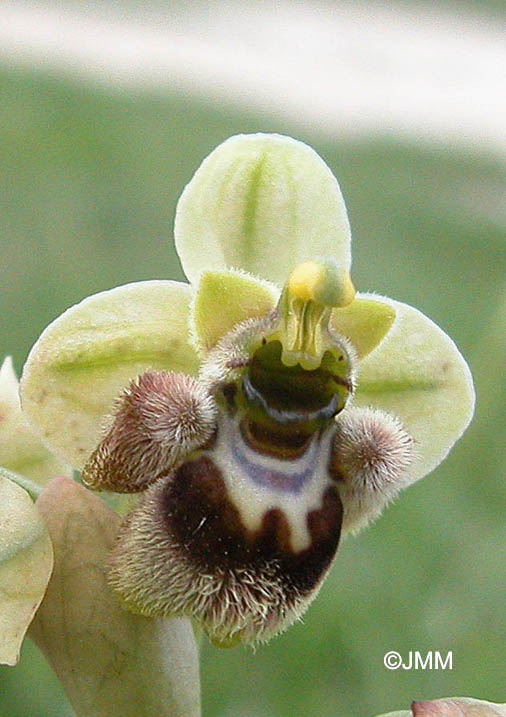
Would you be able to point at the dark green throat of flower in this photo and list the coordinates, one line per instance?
(292, 393)
(301, 372)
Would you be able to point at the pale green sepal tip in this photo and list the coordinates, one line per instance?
(87, 356)
(26, 562)
(8, 386)
(223, 299)
(417, 374)
(21, 449)
(263, 203)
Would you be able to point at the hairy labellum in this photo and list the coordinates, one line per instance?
(249, 472)
(238, 540)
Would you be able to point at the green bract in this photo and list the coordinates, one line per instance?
(109, 661)
(26, 555)
(258, 206)
(262, 203)
(26, 561)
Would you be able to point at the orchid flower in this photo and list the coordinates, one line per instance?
(260, 411)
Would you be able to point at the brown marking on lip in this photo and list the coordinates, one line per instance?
(237, 363)
(229, 391)
(200, 515)
(286, 445)
(211, 441)
(338, 379)
(333, 468)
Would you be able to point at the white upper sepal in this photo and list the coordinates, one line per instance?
(262, 203)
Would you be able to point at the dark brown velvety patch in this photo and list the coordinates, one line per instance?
(334, 470)
(229, 391)
(211, 441)
(287, 444)
(202, 518)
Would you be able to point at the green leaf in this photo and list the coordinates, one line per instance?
(110, 662)
(418, 374)
(26, 561)
(84, 359)
(262, 203)
(365, 322)
(21, 449)
(223, 299)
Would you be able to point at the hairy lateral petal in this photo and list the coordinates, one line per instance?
(224, 299)
(370, 457)
(418, 375)
(86, 357)
(160, 418)
(108, 661)
(365, 322)
(263, 203)
(26, 561)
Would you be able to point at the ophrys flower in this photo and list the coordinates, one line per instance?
(259, 416)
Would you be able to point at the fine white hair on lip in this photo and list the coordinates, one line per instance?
(159, 419)
(232, 352)
(155, 575)
(370, 455)
(349, 351)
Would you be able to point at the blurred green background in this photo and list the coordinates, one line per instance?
(89, 182)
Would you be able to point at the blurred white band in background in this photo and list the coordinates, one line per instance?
(340, 69)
